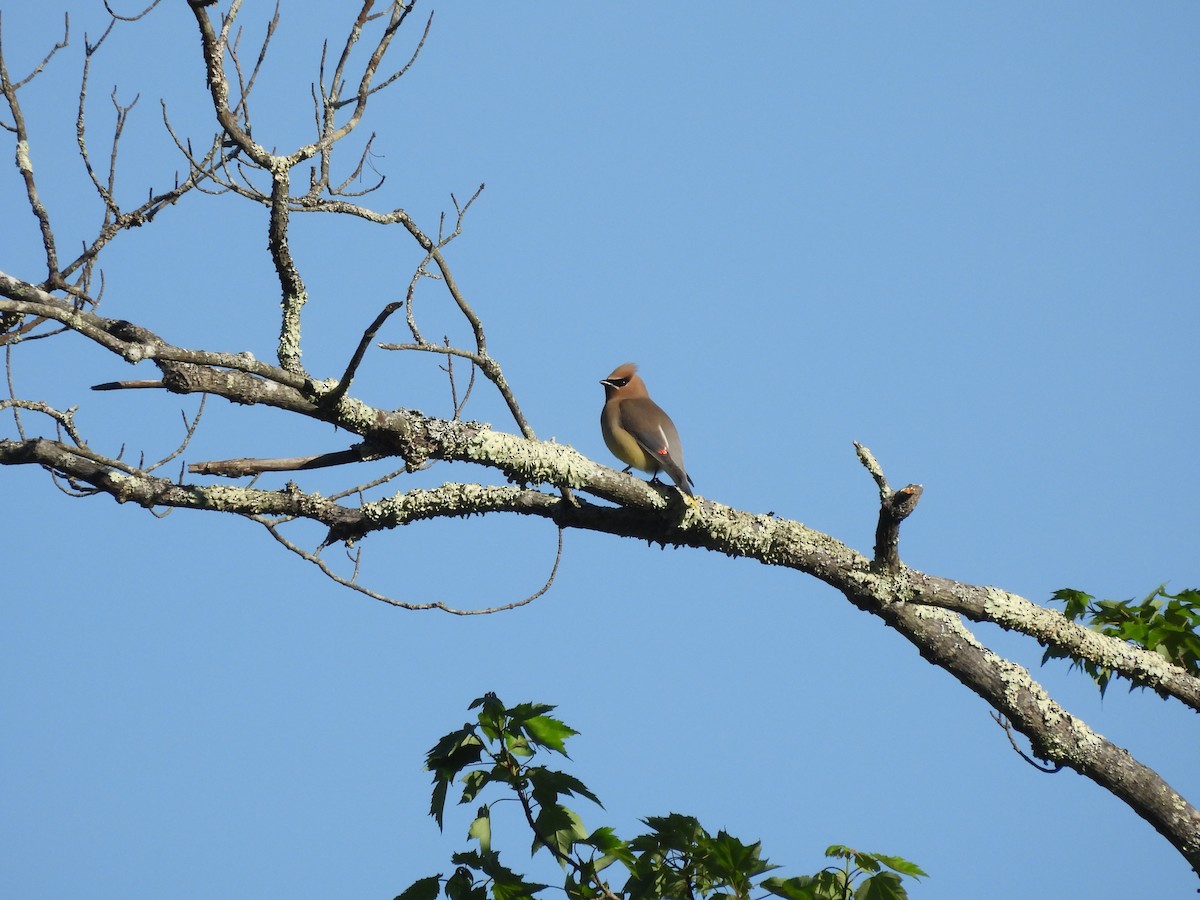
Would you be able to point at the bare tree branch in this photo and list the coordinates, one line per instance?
(237, 468)
(354, 585)
(24, 161)
(894, 508)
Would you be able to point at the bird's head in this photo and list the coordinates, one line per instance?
(624, 382)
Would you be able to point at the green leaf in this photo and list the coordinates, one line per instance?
(481, 829)
(728, 860)
(549, 732)
(831, 884)
(902, 865)
(560, 828)
(828, 884)
(503, 774)
(437, 805)
(1167, 624)
(669, 862)
(670, 832)
(522, 712)
(798, 888)
(518, 745)
(605, 840)
(515, 891)
(446, 759)
(422, 889)
(865, 861)
(474, 782)
(461, 886)
(549, 784)
(612, 848)
(491, 715)
(455, 751)
(884, 886)
(505, 882)
(1076, 602)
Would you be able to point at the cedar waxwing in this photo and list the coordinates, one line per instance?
(637, 431)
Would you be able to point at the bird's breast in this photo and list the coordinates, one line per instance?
(622, 444)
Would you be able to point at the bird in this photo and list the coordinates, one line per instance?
(638, 432)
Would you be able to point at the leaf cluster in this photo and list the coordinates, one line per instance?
(676, 858)
(1167, 624)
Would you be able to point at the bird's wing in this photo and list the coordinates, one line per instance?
(655, 433)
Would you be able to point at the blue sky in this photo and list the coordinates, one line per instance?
(964, 236)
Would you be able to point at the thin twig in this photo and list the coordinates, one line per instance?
(458, 405)
(1007, 726)
(239, 468)
(272, 528)
(12, 393)
(189, 429)
(343, 384)
(9, 89)
(134, 17)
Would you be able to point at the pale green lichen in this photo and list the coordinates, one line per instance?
(123, 485)
(1000, 606)
(220, 497)
(1079, 741)
(357, 416)
(23, 162)
(1051, 627)
(289, 332)
(763, 537)
(536, 462)
(321, 388)
(447, 500)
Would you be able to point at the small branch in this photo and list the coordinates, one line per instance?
(214, 46)
(894, 508)
(479, 356)
(352, 583)
(135, 16)
(246, 85)
(331, 135)
(14, 328)
(64, 418)
(488, 366)
(189, 432)
(131, 342)
(111, 210)
(1007, 726)
(458, 405)
(12, 391)
(238, 468)
(127, 385)
(369, 335)
(128, 484)
(9, 89)
(115, 221)
(403, 70)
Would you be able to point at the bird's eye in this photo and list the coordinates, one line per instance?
(620, 382)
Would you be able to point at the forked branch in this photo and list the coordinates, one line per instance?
(894, 508)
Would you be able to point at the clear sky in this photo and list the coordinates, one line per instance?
(964, 235)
